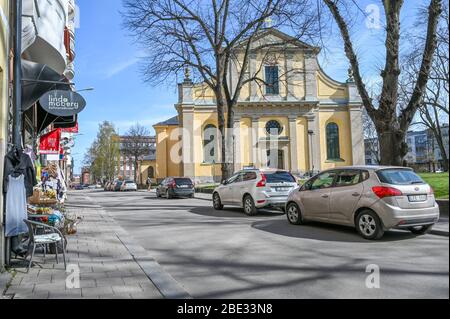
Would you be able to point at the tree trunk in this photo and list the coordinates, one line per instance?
(392, 146)
(226, 141)
(442, 150)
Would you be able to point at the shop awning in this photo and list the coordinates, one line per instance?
(37, 80)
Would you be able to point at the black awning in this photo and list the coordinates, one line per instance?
(65, 122)
(37, 80)
(34, 85)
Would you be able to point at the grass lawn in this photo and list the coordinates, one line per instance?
(439, 182)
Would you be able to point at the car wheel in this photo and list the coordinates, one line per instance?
(249, 206)
(369, 225)
(421, 230)
(293, 214)
(158, 195)
(217, 203)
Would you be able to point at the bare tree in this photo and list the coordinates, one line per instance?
(211, 37)
(433, 110)
(135, 145)
(371, 144)
(390, 122)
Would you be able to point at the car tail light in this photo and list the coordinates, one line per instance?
(262, 182)
(383, 191)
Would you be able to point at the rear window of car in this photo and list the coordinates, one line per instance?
(183, 181)
(279, 176)
(398, 176)
(129, 182)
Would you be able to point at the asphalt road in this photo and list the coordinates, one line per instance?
(226, 254)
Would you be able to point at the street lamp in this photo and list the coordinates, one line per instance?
(86, 89)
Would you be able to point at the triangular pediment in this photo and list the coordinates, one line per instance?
(273, 37)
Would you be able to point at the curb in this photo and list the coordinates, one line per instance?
(439, 232)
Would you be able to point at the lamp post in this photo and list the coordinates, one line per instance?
(17, 76)
(311, 160)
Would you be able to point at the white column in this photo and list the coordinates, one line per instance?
(237, 144)
(357, 135)
(252, 72)
(255, 142)
(290, 74)
(314, 141)
(293, 151)
(311, 68)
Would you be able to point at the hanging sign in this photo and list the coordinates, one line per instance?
(70, 129)
(50, 142)
(62, 102)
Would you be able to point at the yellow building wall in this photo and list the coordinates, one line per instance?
(342, 119)
(329, 89)
(245, 141)
(201, 119)
(143, 170)
(4, 63)
(167, 141)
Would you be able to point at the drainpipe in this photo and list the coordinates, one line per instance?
(18, 76)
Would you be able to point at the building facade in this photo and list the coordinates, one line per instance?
(46, 62)
(146, 165)
(4, 105)
(294, 117)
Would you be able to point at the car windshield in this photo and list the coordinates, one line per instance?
(183, 181)
(129, 182)
(279, 177)
(398, 176)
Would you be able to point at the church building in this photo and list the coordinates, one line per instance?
(292, 114)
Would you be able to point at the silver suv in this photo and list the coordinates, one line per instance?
(255, 188)
(370, 198)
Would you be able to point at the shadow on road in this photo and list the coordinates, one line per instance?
(231, 212)
(324, 232)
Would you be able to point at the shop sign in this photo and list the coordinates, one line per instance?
(50, 142)
(62, 102)
(70, 129)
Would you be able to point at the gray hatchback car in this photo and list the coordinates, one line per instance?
(372, 199)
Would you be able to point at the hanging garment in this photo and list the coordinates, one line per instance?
(18, 163)
(16, 206)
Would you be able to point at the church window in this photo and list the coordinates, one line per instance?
(271, 72)
(332, 133)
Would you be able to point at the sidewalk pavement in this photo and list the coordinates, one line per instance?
(441, 228)
(110, 264)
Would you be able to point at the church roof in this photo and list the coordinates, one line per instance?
(171, 121)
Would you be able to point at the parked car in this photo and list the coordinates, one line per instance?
(92, 186)
(78, 187)
(128, 186)
(117, 185)
(372, 199)
(255, 188)
(175, 187)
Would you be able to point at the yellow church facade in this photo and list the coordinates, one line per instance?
(291, 114)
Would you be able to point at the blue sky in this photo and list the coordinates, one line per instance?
(107, 60)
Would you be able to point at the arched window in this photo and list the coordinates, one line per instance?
(333, 152)
(151, 172)
(209, 143)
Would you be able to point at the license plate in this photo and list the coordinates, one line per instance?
(417, 198)
(183, 186)
(281, 189)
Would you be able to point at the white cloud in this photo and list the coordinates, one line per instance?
(116, 69)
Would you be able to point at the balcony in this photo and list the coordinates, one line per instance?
(43, 32)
